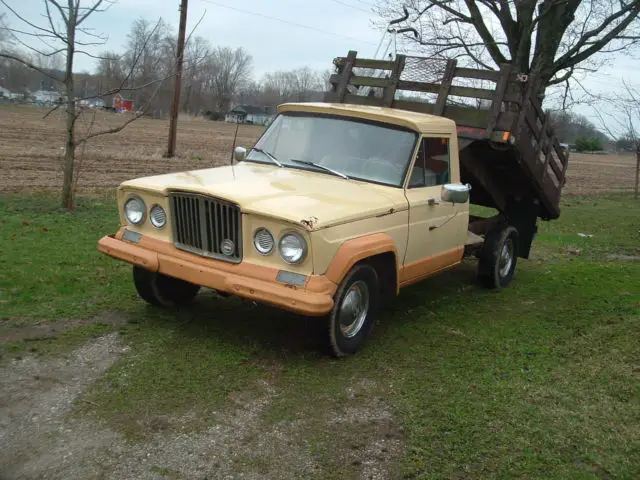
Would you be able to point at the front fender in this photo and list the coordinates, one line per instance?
(357, 249)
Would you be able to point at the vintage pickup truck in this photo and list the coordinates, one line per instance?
(339, 204)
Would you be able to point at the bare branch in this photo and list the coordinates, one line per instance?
(55, 32)
(89, 11)
(26, 63)
(32, 25)
(186, 42)
(22, 32)
(60, 9)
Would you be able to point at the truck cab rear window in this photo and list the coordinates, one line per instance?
(431, 167)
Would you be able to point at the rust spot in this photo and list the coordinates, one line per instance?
(309, 222)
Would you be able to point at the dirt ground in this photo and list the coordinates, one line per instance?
(41, 438)
(31, 148)
(31, 152)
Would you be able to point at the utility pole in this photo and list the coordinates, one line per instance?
(175, 105)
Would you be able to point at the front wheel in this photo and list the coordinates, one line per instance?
(498, 258)
(161, 290)
(356, 304)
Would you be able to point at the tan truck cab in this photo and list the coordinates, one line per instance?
(335, 208)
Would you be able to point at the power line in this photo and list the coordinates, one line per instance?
(288, 22)
(370, 5)
(339, 2)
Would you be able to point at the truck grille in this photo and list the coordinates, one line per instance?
(206, 226)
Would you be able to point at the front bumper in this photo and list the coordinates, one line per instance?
(259, 283)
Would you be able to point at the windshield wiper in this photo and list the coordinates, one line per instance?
(271, 157)
(321, 167)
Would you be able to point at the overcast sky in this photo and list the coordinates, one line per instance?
(325, 29)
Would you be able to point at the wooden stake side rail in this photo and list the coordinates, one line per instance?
(513, 107)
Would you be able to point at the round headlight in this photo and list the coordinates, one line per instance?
(263, 241)
(134, 210)
(157, 216)
(293, 248)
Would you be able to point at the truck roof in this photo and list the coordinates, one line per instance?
(420, 122)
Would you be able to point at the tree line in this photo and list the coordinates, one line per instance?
(214, 77)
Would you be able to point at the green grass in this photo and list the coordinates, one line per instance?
(49, 263)
(540, 380)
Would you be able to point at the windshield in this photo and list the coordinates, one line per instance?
(356, 148)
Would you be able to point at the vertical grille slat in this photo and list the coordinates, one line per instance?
(201, 223)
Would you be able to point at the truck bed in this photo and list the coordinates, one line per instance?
(508, 151)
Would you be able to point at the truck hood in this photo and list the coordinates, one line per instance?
(314, 199)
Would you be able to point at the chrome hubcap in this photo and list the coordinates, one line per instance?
(354, 309)
(506, 258)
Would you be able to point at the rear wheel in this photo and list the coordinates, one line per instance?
(161, 290)
(355, 308)
(498, 257)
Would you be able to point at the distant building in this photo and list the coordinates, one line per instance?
(46, 96)
(249, 114)
(121, 104)
(4, 93)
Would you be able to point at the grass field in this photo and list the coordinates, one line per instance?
(540, 380)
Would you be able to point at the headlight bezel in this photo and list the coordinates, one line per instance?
(273, 241)
(303, 241)
(133, 196)
(166, 217)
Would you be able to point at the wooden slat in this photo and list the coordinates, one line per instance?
(520, 122)
(390, 90)
(445, 87)
(367, 63)
(345, 75)
(545, 164)
(498, 98)
(454, 90)
(462, 72)
(532, 123)
(556, 169)
(544, 139)
(375, 64)
(361, 81)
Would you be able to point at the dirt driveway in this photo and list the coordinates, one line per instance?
(42, 435)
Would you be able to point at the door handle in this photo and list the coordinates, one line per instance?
(432, 201)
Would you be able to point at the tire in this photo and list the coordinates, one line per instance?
(360, 284)
(161, 290)
(498, 257)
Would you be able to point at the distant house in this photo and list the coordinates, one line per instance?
(47, 96)
(121, 104)
(249, 114)
(4, 93)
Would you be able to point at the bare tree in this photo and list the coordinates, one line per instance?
(229, 71)
(627, 119)
(292, 85)
(552, 39)
(197, 49)
(64, 32)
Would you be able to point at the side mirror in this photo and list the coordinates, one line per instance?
(239, 154)
(456, 192)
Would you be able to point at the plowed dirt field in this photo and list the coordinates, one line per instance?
(31, 149)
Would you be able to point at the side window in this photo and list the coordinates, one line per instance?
(432, 163)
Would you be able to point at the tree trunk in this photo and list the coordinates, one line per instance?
(68, 200)
(636, 193)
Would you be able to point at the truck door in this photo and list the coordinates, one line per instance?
(437, 230)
